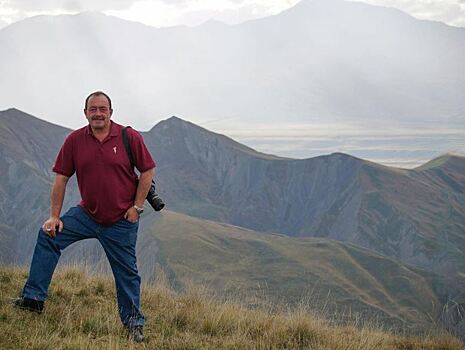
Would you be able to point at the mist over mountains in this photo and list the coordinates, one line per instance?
(320, 61)
(257, 219)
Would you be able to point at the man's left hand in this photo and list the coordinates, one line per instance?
(132, 215)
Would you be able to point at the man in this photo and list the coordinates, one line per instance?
(112, 200)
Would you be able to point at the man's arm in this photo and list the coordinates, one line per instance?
(56, 203)
(145, 180)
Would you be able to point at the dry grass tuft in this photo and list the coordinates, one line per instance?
(81, 313)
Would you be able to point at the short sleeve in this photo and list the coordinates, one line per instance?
(142, 156)
(64, 163)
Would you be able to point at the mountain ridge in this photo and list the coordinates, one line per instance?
(12, 113)
(414, 216)
(180, 123)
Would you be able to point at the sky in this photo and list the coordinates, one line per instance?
(163, 13)
(407, 149)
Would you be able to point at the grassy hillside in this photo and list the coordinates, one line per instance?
(81, 314)
(275, 270)
(331, 276)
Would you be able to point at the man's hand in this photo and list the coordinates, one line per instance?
(132, 215)
(56, 201)
(50, 226)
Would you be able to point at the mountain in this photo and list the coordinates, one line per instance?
(416, 216)
(381, 241)
(421, 212)
(28, 147)
(320, 61)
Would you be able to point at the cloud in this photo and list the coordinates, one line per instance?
(162, 13)
(193, 12)
(448, 11)
(15, 10)
(67, 5)
(3, 22)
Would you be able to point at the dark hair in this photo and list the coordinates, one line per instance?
(97, 93)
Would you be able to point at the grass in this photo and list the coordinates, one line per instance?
(81, 314)
(283, 270)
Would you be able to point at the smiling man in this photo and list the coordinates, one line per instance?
(111, 202)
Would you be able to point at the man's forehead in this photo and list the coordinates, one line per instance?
(98, 100)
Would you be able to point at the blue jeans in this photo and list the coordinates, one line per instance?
(119, 243)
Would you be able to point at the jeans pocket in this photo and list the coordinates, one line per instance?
(130, 222)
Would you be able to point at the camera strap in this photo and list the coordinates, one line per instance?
(127, 146)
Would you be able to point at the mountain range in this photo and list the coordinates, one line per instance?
(320, 61)
(347, 233)
(415, 216)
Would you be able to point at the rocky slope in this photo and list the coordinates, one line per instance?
(28, 147)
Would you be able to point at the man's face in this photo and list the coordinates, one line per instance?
(98, 112)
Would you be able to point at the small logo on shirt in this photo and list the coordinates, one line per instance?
(114, 149)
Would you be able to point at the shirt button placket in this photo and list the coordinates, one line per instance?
(99, 156)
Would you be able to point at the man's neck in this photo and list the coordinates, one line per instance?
(100, 134)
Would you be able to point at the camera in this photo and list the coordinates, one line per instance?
(154, 199)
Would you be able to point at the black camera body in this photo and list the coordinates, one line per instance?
(154, 199)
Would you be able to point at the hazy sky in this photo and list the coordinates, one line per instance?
(395, 148)
(161, 13)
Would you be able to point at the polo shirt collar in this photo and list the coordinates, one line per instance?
(114, 129)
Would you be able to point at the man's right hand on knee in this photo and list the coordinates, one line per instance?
(51, 225)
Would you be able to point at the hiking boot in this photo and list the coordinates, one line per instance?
(135, 333)
(29, 304)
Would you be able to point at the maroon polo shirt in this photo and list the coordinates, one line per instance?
(106, 180)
